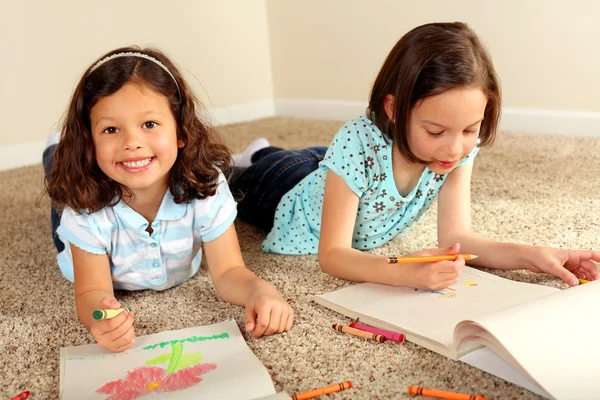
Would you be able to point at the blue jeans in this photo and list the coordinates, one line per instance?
(274, 172)
(48, 161)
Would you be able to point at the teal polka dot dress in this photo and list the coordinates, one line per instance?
(361, 156)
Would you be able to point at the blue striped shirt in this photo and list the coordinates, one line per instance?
(139, 260)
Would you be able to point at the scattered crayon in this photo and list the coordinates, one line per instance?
(108, 314)
(321, 391)
(357, 332)
(21, 396)
(416, 259)
(442, 394)
(389, 335)
(583, 281)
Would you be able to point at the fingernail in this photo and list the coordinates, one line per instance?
(248, 326)
(114, 304)
(574, 282)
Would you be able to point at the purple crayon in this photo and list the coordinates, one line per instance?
(389, 335)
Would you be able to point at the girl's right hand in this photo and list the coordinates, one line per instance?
(115, 334)
(435, 275)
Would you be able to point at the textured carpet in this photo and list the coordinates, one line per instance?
(527, 188)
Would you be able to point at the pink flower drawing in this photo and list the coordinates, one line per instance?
(146, 380)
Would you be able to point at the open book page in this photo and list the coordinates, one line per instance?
(490, 362)
(210, 361)
(428, 318)
(553, 340)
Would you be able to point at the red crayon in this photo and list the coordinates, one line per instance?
(21, 396)
(389, 335)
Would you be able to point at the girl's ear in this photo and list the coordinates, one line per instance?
(389, 105)
(180, 143)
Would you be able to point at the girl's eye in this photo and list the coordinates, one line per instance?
(471, 132)
(110, 130)
(435, 133)
(150, 124)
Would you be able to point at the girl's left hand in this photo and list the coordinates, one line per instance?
(267, 312)
(565, 264)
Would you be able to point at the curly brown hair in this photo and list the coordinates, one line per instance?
(77, 181)
(427, 61)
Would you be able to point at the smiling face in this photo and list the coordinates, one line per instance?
(135, 138)
(443, 129)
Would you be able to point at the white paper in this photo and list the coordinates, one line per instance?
(428, 318)
(492, 363)
(554, 339)
(211, 361)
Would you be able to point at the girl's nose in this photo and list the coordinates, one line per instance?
(131, 140)
(454, 147)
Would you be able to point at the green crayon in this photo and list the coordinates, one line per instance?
(108, 314)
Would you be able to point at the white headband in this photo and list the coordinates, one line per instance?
(139, 55)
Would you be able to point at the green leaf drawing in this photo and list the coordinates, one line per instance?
(163, 358)
(186, 360)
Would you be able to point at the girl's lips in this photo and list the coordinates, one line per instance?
(446, 164)
(137, 169)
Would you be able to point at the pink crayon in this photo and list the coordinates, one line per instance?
(389, 335)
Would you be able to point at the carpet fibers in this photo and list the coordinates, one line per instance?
(536, 189)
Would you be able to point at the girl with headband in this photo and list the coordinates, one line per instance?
(138, 195)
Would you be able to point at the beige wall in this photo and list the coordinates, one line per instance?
(545, 51)
(46, 45)
(243, 51)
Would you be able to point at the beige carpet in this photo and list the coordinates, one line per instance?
(527, 188)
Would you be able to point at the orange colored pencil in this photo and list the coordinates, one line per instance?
(357, 332)
(442, 394)
(422, 259)
(321, 391)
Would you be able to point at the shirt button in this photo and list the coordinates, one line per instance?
(156, 264)
(153, 244)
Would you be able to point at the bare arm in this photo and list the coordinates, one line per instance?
(93, 282)
(238, 285)
(94, 290)
(233, 281)
(454, 225)
(336, 255)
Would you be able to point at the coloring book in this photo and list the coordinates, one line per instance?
(546, 334)
(210, 362)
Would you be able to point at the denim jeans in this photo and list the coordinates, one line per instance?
(274, 172)
(48, 161)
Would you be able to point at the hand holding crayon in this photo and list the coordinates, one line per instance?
(112, 325)
(108, 314)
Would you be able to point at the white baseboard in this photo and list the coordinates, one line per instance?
(570, 123)
(335, 110)
(21, 154)
(561, 122)
(529, 120)
(242, 112)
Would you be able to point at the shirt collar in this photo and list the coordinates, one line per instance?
(168, 211)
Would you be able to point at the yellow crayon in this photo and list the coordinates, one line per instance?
(108, 314)
(583, 281)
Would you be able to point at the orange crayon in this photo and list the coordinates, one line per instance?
(21, 396)
(321, 391)
(422, 259)
(442, 394)
(357, 332)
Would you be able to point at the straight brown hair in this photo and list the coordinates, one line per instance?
(427, 61)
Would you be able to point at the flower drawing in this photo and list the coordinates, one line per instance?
(182, 371)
